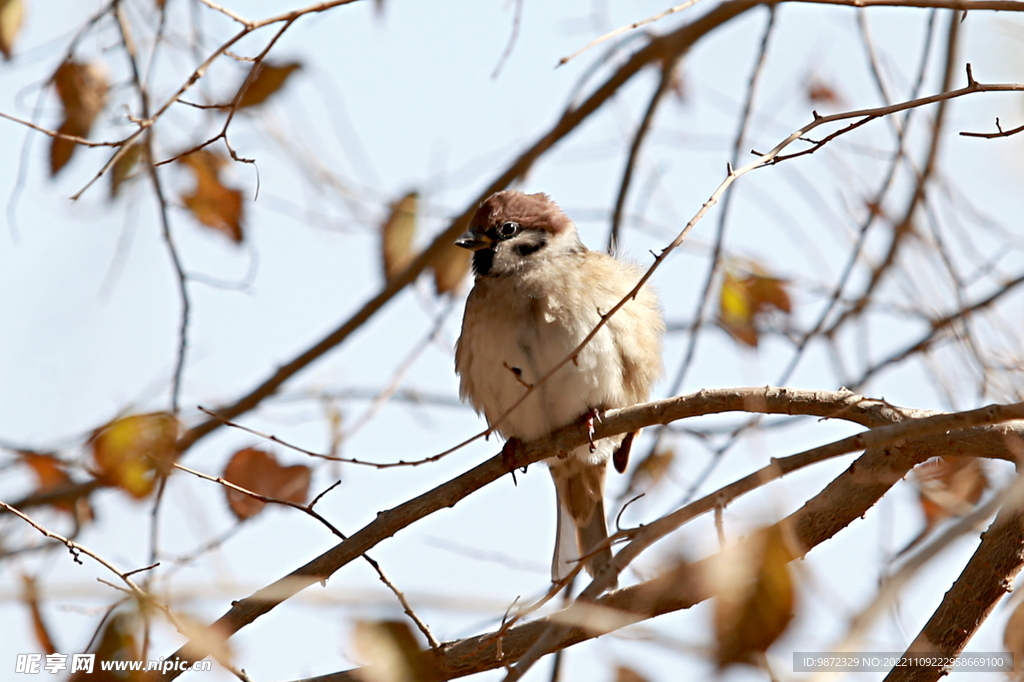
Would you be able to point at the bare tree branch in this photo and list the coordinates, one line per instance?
(841, 405)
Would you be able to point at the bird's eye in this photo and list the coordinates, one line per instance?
(507, 230)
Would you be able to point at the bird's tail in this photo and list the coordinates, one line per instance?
(579, 488)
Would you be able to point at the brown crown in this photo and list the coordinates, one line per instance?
(535, 211)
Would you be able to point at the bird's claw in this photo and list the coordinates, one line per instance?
(588, 420)
(508, 456)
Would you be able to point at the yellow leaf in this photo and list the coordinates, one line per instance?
(397, 234)
(744, 298)
(735, 312)
(212, 203)
(134, 452)
(12, 14)
(264, 80)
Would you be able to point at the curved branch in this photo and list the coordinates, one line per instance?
(845, 499)
(922, 433)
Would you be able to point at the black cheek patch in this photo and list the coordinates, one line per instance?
(523, 250)
(483, 260)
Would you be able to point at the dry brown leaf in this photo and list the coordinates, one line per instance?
(768, 292)
(743, 299)
(133, 453)
(30, 595)
(820, 92)
(397, 235)
(117, 643)
(949, 486)
(392, 653)
(213, 204)
(264, 80)
(12, 14)
(649, 471)
(624, 674)
(450, 267)
(124, 166)
(754, 596)
(51, 475)
(258, 471)
(82, 89)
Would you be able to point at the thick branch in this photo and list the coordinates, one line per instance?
(985, 580)
(844, 500)
(903, 424)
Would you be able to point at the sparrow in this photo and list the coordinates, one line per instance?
(537, 293)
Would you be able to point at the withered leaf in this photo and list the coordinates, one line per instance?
(30, 595)
(397, 234)
(624, 674)
(735, 310)
(743, 299)
(51, 475)
(117, 643)
(264, 80)
(392, 653)
(124, 166)
(12, 14)
(754, 596)
(258, 471)
(820, 92)
(212, 203)
(82, 89)
(649, 471)
(947, 487)
(134, 452)
(450, 267)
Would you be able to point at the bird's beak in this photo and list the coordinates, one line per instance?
(474, 241)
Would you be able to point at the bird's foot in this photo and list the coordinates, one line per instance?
(588, 420)
(508, 456)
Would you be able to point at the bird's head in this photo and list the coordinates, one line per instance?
(513, 231)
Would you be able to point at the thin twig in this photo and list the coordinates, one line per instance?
(626, 28)
(668, 69)
(308, 509)
(1000, 133)
(319, 455)
(716, 255)
(516, 20)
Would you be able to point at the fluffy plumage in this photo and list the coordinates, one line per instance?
(538, 292)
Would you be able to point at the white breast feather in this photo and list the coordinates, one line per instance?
(533, 334)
